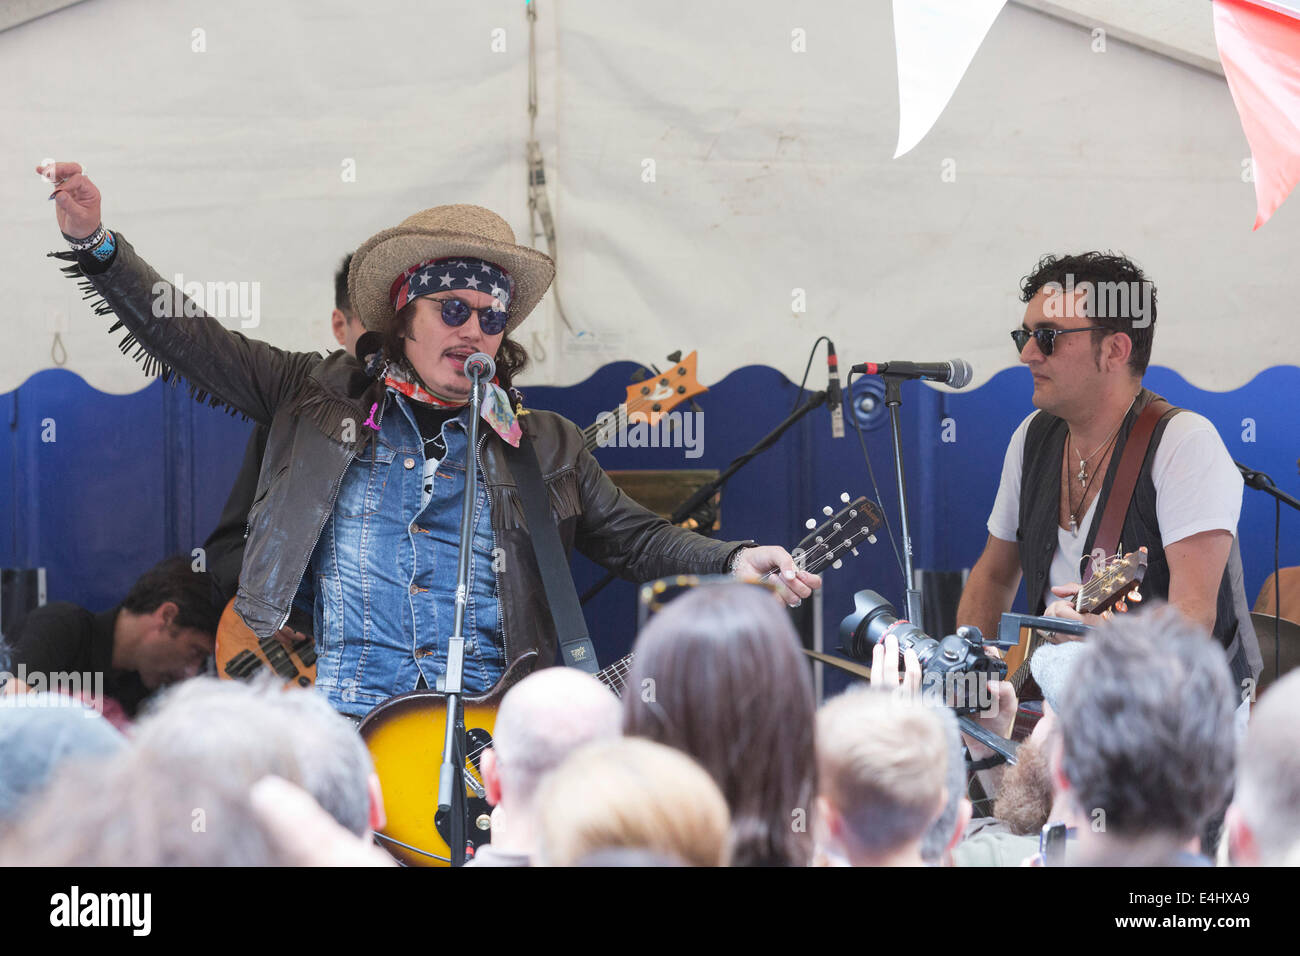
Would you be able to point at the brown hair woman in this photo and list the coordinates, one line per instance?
(718, 675)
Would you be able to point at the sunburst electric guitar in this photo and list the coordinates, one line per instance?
(405, 733)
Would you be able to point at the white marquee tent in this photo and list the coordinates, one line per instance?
(704, 163)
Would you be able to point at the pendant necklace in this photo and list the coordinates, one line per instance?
(1084, 478)
(1074, 512)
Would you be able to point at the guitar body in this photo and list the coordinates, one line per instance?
(241, 654)
(405, 737)
(1117, 578)
(405, 733)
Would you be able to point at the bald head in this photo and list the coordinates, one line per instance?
(543, 719)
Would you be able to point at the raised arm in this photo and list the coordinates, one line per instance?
(247, 375)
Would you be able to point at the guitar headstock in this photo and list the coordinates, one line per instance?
(1112, 581)
(655, 397)
(840, 533)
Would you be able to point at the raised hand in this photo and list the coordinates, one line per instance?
(884, 668)
(76, 198)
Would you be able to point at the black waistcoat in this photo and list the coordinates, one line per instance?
(1040, 503)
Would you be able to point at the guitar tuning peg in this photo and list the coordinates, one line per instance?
(853, 551)
(828, 510)
(810, 523)
(844, 497)
(871, 538)
(838, 564)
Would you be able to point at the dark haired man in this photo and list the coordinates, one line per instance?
(362, 483)
(344, 323)
(161, 633)
(1086, 337)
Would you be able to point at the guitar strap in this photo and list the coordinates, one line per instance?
(576, 649)
(1126, 476)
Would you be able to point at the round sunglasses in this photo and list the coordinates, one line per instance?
(1046, 337)
(456, 312)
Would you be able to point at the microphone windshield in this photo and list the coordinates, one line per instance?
(480, 363)
(961, 373)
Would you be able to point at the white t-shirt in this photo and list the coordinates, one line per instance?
(1198, 488)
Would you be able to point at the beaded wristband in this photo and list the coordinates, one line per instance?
(104, 251)
(89, 242)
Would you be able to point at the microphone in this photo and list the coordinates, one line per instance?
(955, 373)
(834, 397)
(480, 367)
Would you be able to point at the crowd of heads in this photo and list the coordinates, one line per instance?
(716, 755)
(1138, 755)
(178, 791)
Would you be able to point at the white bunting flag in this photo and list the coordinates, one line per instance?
(935, 42)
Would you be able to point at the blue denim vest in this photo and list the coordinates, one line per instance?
(384, 571)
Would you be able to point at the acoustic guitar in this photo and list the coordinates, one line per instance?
(1115, 580)
(405, 733)
(240, 654)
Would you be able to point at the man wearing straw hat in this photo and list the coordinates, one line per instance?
(359, 497)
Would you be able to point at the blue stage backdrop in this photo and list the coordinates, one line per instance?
(129, 479)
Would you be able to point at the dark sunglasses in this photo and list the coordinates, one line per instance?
(456, 312)
(1046, 337)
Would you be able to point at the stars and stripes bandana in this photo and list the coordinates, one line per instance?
(452, 272)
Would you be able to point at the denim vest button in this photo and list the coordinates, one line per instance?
(409, 463)
(414, 589)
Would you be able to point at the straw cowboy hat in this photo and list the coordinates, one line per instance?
(457, 230)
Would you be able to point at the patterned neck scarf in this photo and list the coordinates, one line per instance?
(496, 409)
